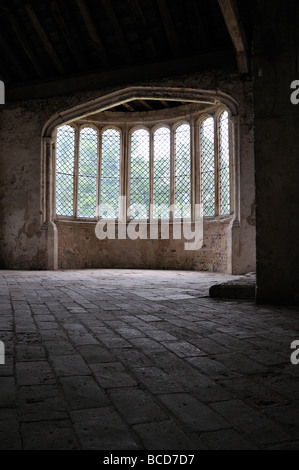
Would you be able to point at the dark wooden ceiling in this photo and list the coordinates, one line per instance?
(146, 105)
(44, 42)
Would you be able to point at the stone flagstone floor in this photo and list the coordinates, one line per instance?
(133, 359)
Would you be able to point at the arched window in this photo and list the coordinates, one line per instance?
(139, 181)
(87, 174)
(65, 164)
(207, 166)
(182, 171)
(149, 166)
(109, 180)
(161, 172)
(224, 164)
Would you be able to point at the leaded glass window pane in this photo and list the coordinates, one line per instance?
(65, 157)
(207, 166)
(161, 172)
(110, 173)
(224, 164)
(139, 197)
(87, 178)
(182, 171)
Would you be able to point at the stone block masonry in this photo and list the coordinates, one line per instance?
(133, 359)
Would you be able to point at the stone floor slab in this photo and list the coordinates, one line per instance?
(134, 359)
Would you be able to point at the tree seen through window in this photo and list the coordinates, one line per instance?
(155, 168)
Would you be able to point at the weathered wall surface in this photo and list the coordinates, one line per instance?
(21, 237)
(276, 65)
(23, 243)
(154, 254)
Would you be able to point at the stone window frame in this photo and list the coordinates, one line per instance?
(216, 118)
(194, 120)
(103, 101)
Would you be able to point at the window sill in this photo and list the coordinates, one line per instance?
(71, 220)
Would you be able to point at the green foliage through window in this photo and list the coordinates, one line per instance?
(224, 164)
(65, 158)
(207, 166)
(139, 197)
(110, 173)
(182, 171)
(87, 179)
(161, 172)
(81, 183)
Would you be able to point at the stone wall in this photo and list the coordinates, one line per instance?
(23, 241)
(91, 252)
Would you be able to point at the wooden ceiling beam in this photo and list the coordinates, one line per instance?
(142, 28)
(89, 81)
(146, 105)
(92, 30)
(168, 26)
(165, 104)
(10, 56)
(67, 35)
(130, 108)
(200, 28)
(117, 29)
(230, 14)
(44, 38)
(24, 43)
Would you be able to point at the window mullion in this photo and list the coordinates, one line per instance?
(217, 161)
(76, 173)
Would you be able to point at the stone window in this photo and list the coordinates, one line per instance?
(224, 177)
(87, 172)
(65, 159)
(109, 172)
(182, 187)
(161, 179)
(173, 163)
(140, 174)
(207, 152)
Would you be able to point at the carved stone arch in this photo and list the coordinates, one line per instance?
(131, 93)
(103, 103)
